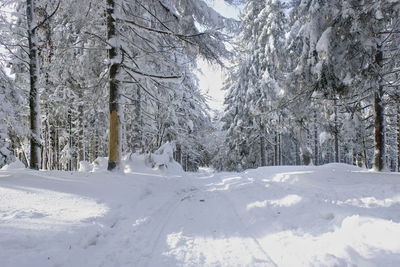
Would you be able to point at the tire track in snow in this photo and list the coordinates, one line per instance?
(239, 219)
(162, 217)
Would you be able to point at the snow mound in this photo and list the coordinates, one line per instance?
(16, 165)
(136, 162)
(85, 166)
(100, 164)
(161, 160)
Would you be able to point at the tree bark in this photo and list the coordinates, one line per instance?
(276, 149)
(262, 146)
(316, 152)
(70, 139)
(379, 153)
(398, 137)
(114, 142)
(35, 121)
(81, 137)
(336, 133)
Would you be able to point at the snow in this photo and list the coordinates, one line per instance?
(324, 43)
(331, 215)
(17, 164)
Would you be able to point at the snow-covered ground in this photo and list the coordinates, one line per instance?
(333, 215)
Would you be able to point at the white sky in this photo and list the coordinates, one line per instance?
(212, 77)
(211, 82)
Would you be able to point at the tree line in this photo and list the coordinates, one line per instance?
(314, 82)
(309, 82)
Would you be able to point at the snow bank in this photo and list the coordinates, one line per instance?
(85, 166)
(100, 164)
(162, 160)
(16, 165)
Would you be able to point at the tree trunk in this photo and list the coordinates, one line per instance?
(53, 148)
(379, 132)
(280, 149)
(70, 139)
(379, 154)
(81, 134)
(34, 107)
(398, 137)
(262, 146)
(276, 150)
(45, 150)
(262, 152)
(316, 153)
(57, 143)
(114, 142)
(336, 133)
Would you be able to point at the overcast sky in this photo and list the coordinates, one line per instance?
(212, 78)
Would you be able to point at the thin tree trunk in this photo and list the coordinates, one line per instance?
(114, 142)
(262, 152)
(279, 149)
(45, 149)
(379, 132)
(398, 137)
(57, 142)
(262, 146)
(53, 148)
(34, 107)
(379, 154)
(336, 133)
(80, 138)
(279, 143)
(316, 153)
(276, 149)
(96, 145)
(365, 152)
(70, 138)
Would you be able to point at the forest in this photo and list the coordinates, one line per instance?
(114, 153)
(307, 82)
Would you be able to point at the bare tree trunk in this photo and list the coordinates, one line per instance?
(81, 137)
(114, 142)
(279, 149)
(263, 158)
(262, 146)
(398, 137)
(34, 99)
(46, 154)
(57, 143)
(53, 148)
(364, 147)
(279, 143)
(276, 150)
(379, 132)
(96, 145)
(70, 138)
(379, 154)
(316, 153)
(336, 133)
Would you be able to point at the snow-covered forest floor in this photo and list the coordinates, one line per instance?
(332, 215)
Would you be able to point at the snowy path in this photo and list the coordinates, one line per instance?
(334, 215)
